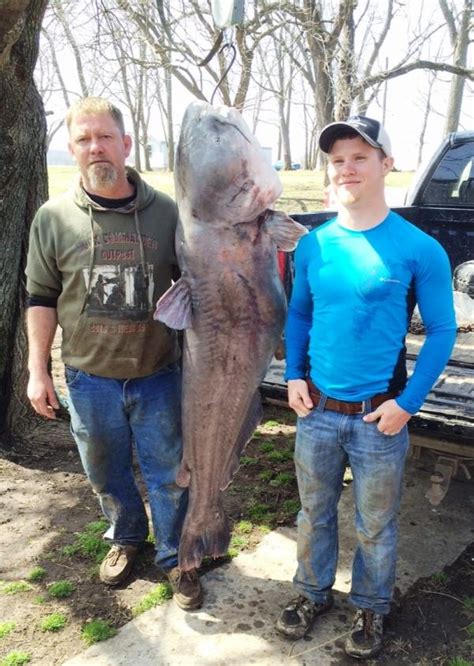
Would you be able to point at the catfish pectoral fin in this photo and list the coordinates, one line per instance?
(211, 539)
(284, 231)
(174, 307)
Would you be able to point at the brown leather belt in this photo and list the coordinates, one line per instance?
(348, 407)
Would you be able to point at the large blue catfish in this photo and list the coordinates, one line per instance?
(231, 303)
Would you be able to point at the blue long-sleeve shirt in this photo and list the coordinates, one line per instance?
(351, 305)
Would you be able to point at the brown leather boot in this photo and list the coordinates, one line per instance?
(187, 590)
(117, 564)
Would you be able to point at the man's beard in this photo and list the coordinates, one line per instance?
(102, 175)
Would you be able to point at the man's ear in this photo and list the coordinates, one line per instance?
(127, 142)
(71, 152)
(388, 163)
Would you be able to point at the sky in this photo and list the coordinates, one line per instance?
(404, 105)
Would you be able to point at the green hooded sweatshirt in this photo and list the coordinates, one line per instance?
(107, 268)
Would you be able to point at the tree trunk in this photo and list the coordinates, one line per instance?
(461, 46)
(23, 187)
(169, 117)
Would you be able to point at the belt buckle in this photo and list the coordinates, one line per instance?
(362, 408)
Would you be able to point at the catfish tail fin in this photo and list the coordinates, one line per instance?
(197, 541)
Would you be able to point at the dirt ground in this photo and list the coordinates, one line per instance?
(45, 502)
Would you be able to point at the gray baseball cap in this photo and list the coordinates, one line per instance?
(369, 129)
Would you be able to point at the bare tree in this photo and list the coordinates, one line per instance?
(23, 187)
(459, 25)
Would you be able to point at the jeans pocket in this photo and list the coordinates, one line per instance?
(71, 374)
(312, 412)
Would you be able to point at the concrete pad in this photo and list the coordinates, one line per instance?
(244, 597)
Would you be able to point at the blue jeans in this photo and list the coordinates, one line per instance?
(325, 442)
(107, 417)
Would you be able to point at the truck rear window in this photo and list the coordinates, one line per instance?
(452, 184)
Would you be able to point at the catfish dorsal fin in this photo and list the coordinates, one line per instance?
(284, 231)
(174, 307)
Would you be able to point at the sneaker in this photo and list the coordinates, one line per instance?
(298, 617)
(117, 564)
(366, 637)
(187, 589)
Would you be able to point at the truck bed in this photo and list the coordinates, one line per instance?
(448, 411)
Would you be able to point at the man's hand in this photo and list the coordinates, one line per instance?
(391, 418)
(298, 397)
(42, 395)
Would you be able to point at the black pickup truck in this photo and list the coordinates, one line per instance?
(441, 202)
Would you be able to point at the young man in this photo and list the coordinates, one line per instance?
(357, 280)
(121, 365)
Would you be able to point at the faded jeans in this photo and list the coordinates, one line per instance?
(108, 416)
(325, 442)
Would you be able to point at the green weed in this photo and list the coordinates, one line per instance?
(40, 599)
(15, 658)
(280, 456)
(271, 424)
(266, 475)
(16, 587)
(38, 573)
(53, 622)
(439, 579)
(61, 589)
(243, 526)
(238, 541)
(96, 631)
(258, 511)
(89, 542)
(291, 506)
(247, 460)
(6, 628)
(161, 593)
(282, 479)
(468, 603)
(266, 447)
(459, 661)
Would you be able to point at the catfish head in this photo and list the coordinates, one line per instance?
(221, 172)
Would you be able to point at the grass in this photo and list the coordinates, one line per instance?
(6, 628)
(38, 573)
(260, 512)
(280, 456)
(439, 580)
(291, 506)
(271, 424)
(53, 622)
(96, 631)
(283, 479)
(266, 447)
(17, 587)
(303, 191)
(15, 658)
(161, 593)
(468, 603)
(61, 589)
(266, 475)
(89, 543)
(243, 527)
(40, 599)
(247, 460)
